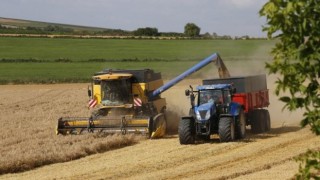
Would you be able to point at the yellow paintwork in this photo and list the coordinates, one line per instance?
(153, 85)
(97, 93)
(141, 121)
(140, 88)
(112, 76)
(158, 133)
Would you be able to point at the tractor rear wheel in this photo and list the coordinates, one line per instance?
(241, 125)
(226, 129)
(186, 130)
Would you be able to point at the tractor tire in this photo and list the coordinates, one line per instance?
(187, 131)
(241, 125)
(258, 121)
(226, 129)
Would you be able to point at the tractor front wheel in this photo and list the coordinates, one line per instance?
(186, 130)
(226, 129)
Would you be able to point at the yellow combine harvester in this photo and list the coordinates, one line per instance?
(127, 101)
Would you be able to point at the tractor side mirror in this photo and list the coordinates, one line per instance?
(187, 92)
(234, 90)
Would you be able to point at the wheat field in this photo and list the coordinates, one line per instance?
(28, 118)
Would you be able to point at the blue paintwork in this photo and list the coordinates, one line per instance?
(193, 69)
(208, 107)
(234, 108)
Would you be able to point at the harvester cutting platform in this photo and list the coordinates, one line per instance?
(129, 101)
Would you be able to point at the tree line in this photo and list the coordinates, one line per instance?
(191, 30)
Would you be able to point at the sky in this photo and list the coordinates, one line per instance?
(224, 17)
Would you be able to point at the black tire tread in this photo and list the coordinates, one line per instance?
(258, 121)
(239, 134)
(225, 129)
(186, 131)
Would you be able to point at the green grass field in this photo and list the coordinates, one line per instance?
(34, 60)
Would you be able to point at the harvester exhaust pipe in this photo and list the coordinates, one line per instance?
(223, 73)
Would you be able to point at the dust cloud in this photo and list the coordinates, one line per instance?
(178, 104)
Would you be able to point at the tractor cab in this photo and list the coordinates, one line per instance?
(216, 94)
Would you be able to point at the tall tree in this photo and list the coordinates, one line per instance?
(191, 30)
(297, 59)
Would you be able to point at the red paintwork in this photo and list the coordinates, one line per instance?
(252, 100)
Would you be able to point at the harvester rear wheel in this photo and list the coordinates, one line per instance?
(186, 130)
(226, 129)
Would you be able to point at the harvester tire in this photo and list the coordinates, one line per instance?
(258, 121)
(241, 125)
(186, 131)
(226, 129)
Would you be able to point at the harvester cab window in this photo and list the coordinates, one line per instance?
(116, 92)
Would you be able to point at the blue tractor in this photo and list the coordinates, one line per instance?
(212, 112)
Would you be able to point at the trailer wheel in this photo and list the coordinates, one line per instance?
(258, 121)
(241, 125)
(267, 120)
(226, 129)
(186, 130)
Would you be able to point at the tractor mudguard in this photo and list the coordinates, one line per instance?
(235, 108)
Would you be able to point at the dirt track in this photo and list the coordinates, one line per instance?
(267, 156)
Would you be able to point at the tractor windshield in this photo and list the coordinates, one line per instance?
(217, 96)
(116, 92)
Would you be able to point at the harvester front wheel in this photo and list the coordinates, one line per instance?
(226, 129)
(186, 130)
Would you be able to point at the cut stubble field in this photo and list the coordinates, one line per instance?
(30, 112)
